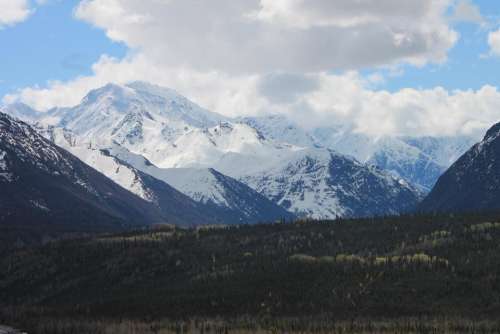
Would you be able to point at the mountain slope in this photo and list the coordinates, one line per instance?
(50, 184)
(472, 183)
(420, 161)
(322, 184)
(406, 162)
(221, 198)
(212, 188)
(43, 184)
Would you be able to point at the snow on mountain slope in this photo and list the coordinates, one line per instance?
(407, 162)
(126, 176)
(395, 155)
(176, 207)
(230, 201)
(199, 184)
(231, 148)
(444, 150)
(44, 184)
(322, 184)
(420, 161)
(209, 187)
(280, 129)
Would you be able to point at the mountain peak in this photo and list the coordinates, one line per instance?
(492, 133)
(109, 91)
(146, 87)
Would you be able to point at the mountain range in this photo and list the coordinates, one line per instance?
(245, 169)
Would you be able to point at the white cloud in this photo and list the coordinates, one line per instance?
(466, 11)
(413, 112)
(324, 99)
(251, 36)
(13, 11)
(16, 11)
(249, 57)
(494, 42)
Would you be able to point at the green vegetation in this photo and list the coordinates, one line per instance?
(308, 276)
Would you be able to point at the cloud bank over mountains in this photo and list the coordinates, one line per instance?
(249, 57)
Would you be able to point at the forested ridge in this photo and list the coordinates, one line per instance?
(408, 266)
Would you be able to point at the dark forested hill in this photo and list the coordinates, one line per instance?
(405, 266)
(472, 183)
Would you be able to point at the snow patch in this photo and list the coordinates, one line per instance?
(4, 171)
(40, 204)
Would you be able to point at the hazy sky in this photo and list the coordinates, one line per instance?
(419, 67)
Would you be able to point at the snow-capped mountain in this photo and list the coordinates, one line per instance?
(472, 183)
(226, 200)
(169, 131)
(419, 161)
(137, 116)
(319, 183)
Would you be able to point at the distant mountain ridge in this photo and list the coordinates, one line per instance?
(418, 160)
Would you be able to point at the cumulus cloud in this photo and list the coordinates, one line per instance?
(249, 57)
(13, 11)
(314, 100)
(286, 87)
(466, 11)
(251, 36)
(413, 112)
(494, 42)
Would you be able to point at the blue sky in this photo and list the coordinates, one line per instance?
(468, 66)
(465, 68)
(51, 45)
